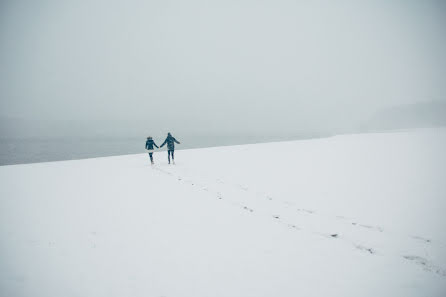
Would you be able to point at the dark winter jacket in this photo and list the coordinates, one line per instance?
(150, 143)
(170, 140)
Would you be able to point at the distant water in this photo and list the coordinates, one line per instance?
(34, 150)
(19, 151)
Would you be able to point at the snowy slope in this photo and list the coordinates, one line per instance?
(351, 215)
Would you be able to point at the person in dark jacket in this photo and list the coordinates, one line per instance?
(149, 146)
(170, 140)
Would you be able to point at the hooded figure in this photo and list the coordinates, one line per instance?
(170, 140)
(149, 146)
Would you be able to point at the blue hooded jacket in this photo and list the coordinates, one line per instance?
(150, 143)
(170, 140)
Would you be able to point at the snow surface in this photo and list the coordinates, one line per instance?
(350, 215)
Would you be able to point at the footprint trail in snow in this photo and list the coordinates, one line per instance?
(362, 237)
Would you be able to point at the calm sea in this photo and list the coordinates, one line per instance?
(34, 150)
(19, 151)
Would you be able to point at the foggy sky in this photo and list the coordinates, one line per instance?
(223, 66)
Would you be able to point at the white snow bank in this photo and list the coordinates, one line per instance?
(352, 215)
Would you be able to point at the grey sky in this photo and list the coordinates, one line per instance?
(219, 65)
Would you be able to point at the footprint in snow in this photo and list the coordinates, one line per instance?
(306, 210)
(365, 249)
(422, 239)
(425, 264)
(341, 217)
(293, 226)
(327, 235)
(248, 209)
(242, 187)
(368, 227)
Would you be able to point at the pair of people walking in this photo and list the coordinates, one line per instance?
(170, 140)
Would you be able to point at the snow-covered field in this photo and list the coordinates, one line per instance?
(350, 215)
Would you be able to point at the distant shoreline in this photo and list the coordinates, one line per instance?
(35, 150)
(39, 150)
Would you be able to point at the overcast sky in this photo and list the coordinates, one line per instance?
(219, 65)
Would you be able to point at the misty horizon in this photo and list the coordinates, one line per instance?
(218, 73)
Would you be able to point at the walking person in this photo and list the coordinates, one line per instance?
(170, 140)
(149, 146)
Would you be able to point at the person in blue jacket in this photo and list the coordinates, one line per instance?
(170, 140)
(149, 146)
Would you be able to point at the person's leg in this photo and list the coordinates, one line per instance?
(171, 155)
(168, 155)
(151, 157)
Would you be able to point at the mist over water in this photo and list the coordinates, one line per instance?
(32, 150)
